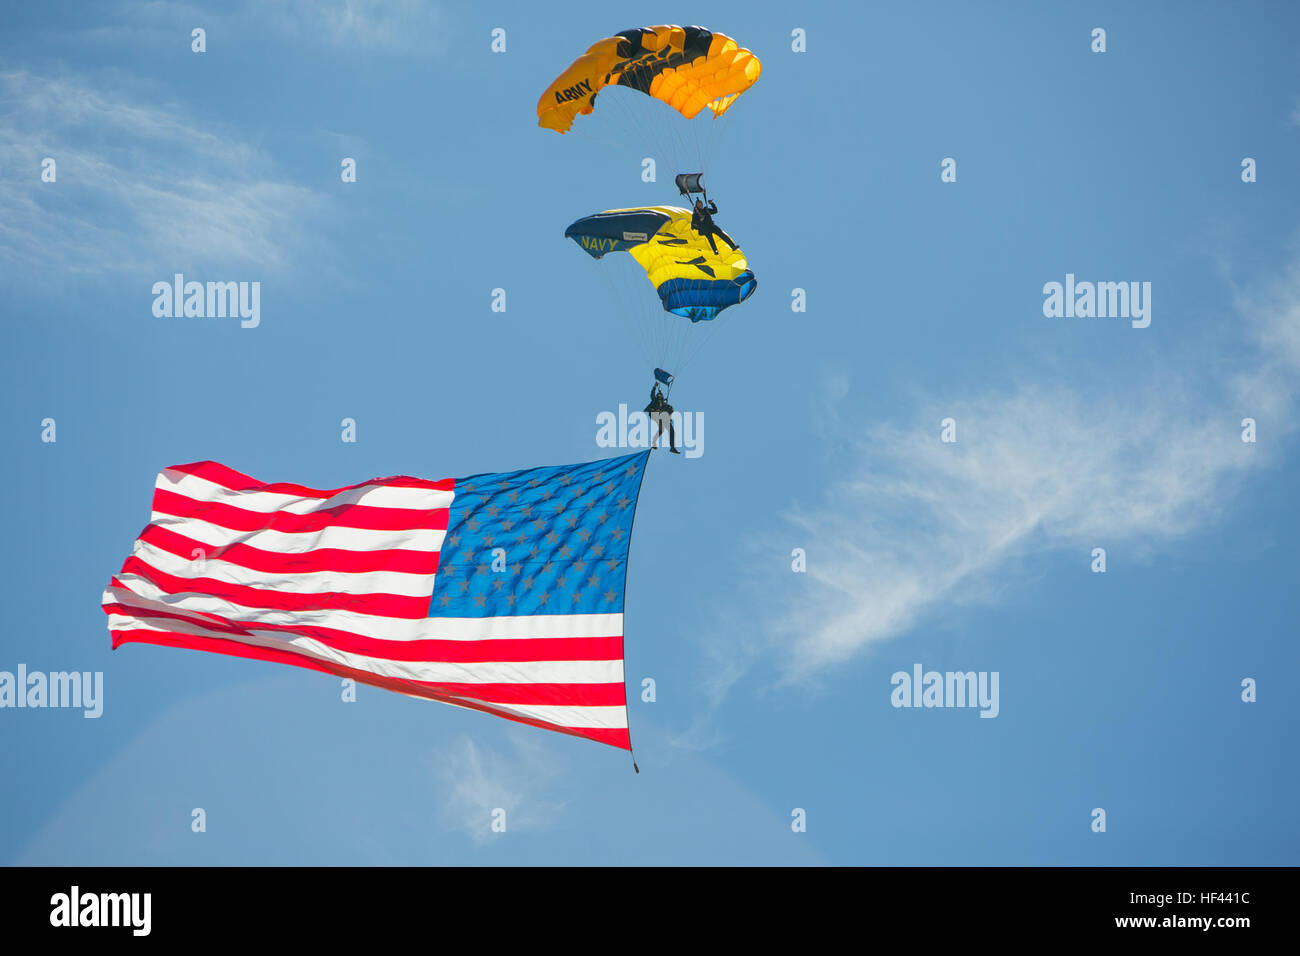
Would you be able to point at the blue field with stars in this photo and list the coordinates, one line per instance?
(539, 541)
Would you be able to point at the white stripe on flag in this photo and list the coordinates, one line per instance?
(488, 672)
(296, 542)
(298, 582)
(374, 496)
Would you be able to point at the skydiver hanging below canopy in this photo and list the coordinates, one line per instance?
(702, 223)
(660, 411)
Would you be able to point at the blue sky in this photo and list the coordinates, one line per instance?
(924, 301)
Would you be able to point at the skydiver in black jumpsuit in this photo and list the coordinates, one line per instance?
(660, 411)
(702, 222)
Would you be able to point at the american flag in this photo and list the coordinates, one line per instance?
(499, 592)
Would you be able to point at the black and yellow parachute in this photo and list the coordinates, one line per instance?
(689, 68)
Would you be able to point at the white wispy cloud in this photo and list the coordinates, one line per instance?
(139, 186)
(474, 780)
(914, 527)
(379, 25)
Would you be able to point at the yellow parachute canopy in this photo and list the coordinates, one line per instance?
(689, 68)
(693, 279)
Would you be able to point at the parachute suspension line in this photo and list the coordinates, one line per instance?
(673, 139)
(720, 126)
(641, 310)
(679, 151)
(700, 149)
(623, 298)
(683, 345)
(586, 134)
(648, 132)
(602, 129)
(673, 340)
(619, 126)
(688, 135)
(723, 136)
(666, 133)
(699, 162)
(703, 340)
(628, 117)
(676, 150)
(665, 149)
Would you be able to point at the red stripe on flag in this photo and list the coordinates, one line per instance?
(302, 562)
(579, 695)
(237, 481)
(365, 517)
(380, 605)
(615, 737)
(505, 651)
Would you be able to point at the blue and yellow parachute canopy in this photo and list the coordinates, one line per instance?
(692, 280)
